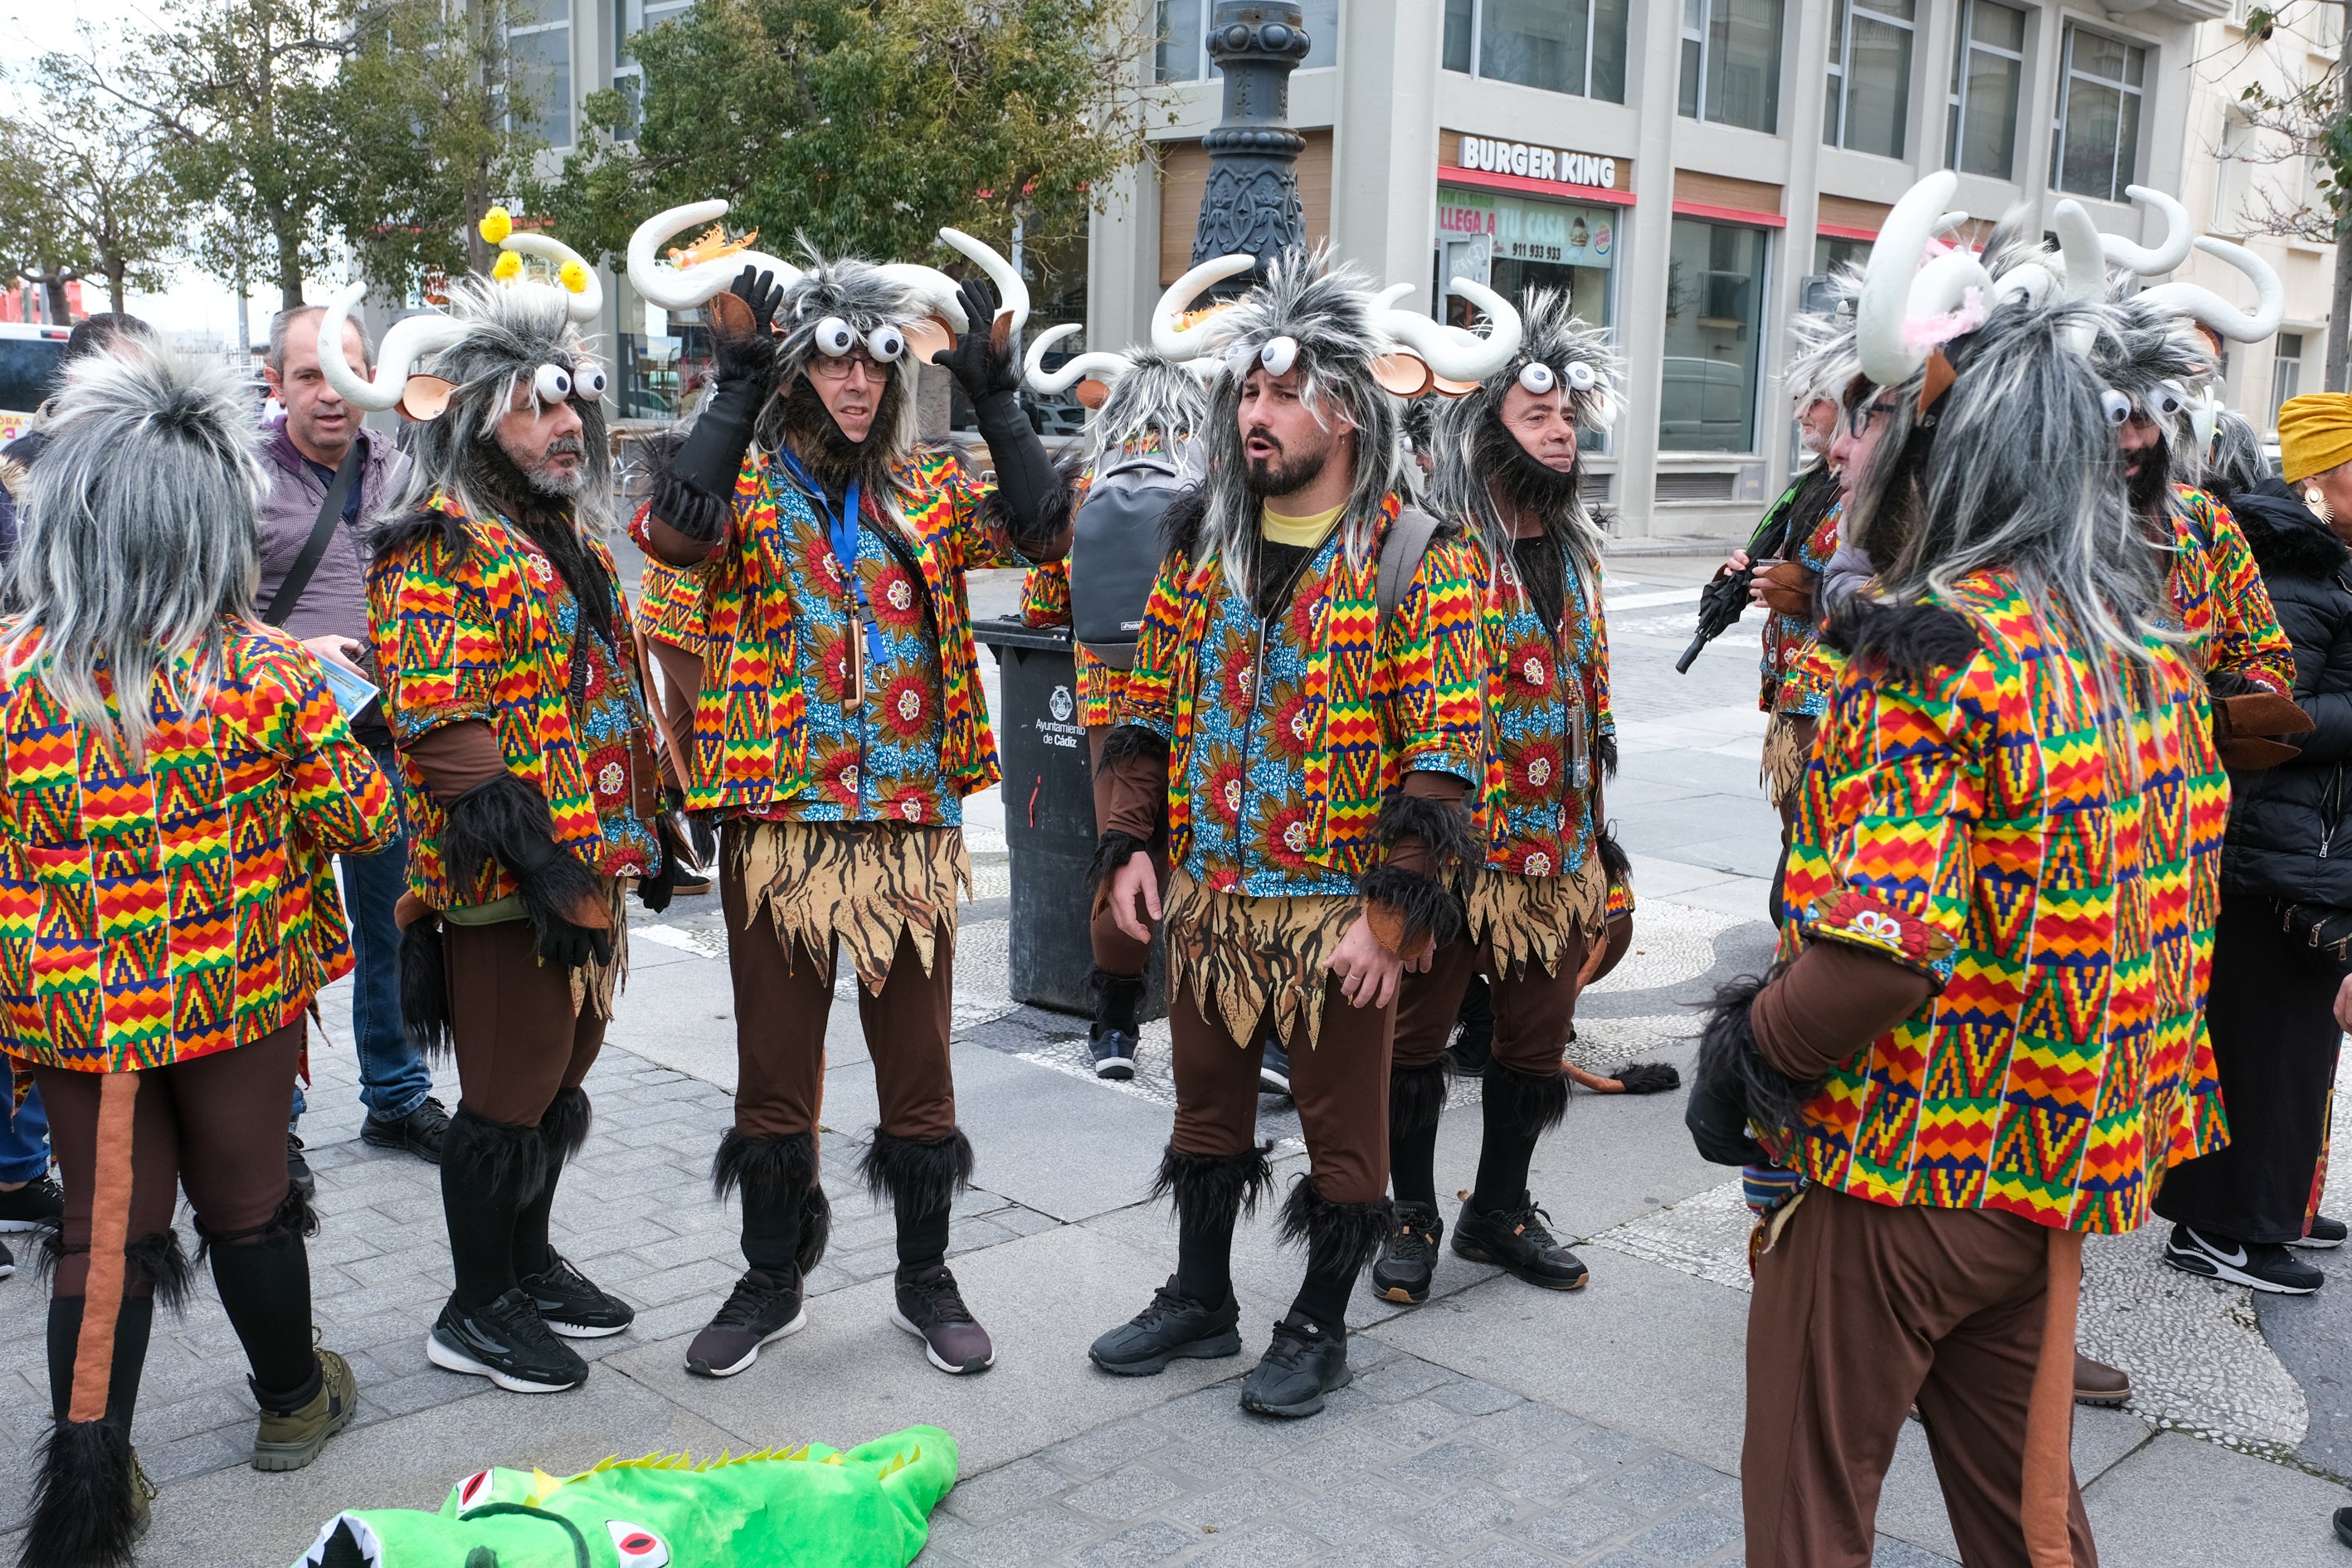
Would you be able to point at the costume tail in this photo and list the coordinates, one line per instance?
(82, 1515)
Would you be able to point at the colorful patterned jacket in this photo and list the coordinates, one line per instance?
(1975, 824)
(1793, 682)
(471, 634)
(669, 606)
(751, 745)
(1046, 602)
(2218, 592)
(1548, 724)
(159, 912)
(1374, 703)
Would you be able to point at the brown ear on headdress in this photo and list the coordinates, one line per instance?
(729, 314)
(1445, 387)
(1092, 393)
(1937, 381)
(928, 336)
(2212, 339)
(1402, 374)
(424, 397)
(1000, 332)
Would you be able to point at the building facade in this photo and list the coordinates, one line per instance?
(1683, 166)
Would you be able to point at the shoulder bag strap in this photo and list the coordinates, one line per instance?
(330, 511)
(1401, 552)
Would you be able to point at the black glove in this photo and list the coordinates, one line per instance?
(656, 892)
(704, 465)
(1716, 1116)
(1035, 499)
(506, 818)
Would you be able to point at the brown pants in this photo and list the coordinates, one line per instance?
(1534, 1013)
(1861, 1309)
(782, 998)
(516, 1038)
(215, 1125)
(1116, 952)
(681, 674)
(1340, 1085)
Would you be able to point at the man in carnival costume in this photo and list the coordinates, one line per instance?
(1302, 722)
(1141, 439)
(529, 778)
(1985, 1036)
(841, 724)
(1549, 881)
(179, 778)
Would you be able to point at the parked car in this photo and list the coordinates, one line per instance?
(29, 357)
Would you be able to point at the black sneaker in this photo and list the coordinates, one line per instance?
(2323, 1232)
(506, 1343)
(1112, 1038)
(2264, 1265)
(419, 1132)
(1516, 1242)
(762, 1309)
(1305, 1363)
(1408, 1258)
(298, 1169)
(572, 1305)
(1173, 1328)
(1274, 1070)
(1114, 1052)
(929, 1307)
(8, 1261)
(38, 1205)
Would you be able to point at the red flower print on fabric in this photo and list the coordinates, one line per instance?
(1531, 668)
(1288, 836)
(824, 570)
(1305, 609)
(1240, 683)
(1534, 770)
(906, 705)
(1225, 793)
(837, 775)
(1530, 860)
(908, 803)
(1224, 880)
(1291, 727)
(833, 669)
(897, 602)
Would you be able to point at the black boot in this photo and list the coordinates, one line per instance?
(1115, 1033)
(90, 1497)
(568, 1300)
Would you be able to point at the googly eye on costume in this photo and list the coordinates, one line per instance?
(1537, 379)
(1581, 377)
(552, 383)
(588, 381)
(835, 338)
(1279, 356)
(886, 344)
(2118, 408)
(2171, 398)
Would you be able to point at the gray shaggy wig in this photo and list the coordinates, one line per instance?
(866, 297)
(1154, 399)
(137, 543)
(1328, 309)
(510, 332)
(2138, 349)
(1481, 464)
(2236, 461)
(1823, 362)
(2016, 468)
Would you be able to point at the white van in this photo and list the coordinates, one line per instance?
(29, 357)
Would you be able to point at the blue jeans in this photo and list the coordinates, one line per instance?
(23, 1136)
(392, 1076)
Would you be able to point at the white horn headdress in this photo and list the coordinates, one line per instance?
(2152, 262)
(573, 276)
(1906, 310)
(2209, 310)
(1454, 355)
(1168, 337)
(683, 289)
(412, 341)
(1094, 365)
(1012, 293)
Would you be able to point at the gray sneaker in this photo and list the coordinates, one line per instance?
(931, 1308)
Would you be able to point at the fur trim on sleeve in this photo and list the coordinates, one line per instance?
(1427, 909)
(1129, 742)
(686, 507)
(1179, 525)
(1112, 851)
(1910, 639)
(1730, 1062)
(1443, 828)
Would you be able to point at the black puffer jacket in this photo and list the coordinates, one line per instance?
(2291, 827)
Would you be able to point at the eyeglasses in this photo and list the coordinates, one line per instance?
(827, 367)
(1857, 420)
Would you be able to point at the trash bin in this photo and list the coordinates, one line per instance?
(1049, 821)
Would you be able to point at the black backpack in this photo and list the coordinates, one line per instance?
(1115, 551)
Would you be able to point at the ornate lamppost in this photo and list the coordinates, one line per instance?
(1251, 204)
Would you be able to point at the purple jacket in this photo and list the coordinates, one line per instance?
(335, 602)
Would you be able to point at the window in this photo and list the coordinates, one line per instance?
(2287, 371)
(1731, 62)
(1868, 108)
(631, 17)
(1980, 130)
(2097, 151)
(1182, 53)
(1715, 300)
(1830, 253)
(541, 50)
(1561, 46)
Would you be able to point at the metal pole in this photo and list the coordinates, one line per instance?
(1252, 200)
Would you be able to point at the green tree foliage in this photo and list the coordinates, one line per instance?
(865, 124)
(85, 172)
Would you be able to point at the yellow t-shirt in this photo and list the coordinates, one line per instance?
(1306, 532)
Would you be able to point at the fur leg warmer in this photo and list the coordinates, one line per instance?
(81, 1512)
(1417, 1097)
(564, 1124)
(1527, 1105)
(160, 1266)
(777, 1165)
(424, 990)
(922, 1177)
(295, 1219)
(1215, 1186)
(501, 1158)
(1340, 1238)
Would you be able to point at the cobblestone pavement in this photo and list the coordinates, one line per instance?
(1495, 1426)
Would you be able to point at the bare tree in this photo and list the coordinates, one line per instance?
(93, 166)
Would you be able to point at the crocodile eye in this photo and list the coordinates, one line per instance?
(1279, 356)
(1580, 376)
(588, 380)
(637, 1546)
(2117, 406)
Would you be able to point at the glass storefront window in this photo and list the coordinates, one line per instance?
(1183, 51)
(1525, 245)
(1715, 300)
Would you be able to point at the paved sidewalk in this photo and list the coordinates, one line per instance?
(1497, 1426)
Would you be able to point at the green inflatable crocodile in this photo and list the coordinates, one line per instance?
(868, 1507)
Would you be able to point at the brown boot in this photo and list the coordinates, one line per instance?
(2098, 1384)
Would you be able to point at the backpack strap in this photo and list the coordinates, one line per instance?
(1401, 552)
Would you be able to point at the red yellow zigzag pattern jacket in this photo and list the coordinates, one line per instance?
(159, 911)
(1381, 701)
(1974, 823)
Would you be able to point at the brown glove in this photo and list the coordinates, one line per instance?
(1787, 588)
(2243, 725)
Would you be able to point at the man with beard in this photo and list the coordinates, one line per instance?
(1538, 906)
(528, 779)
(1985, 1036)
(1304, 715)
(840, 726)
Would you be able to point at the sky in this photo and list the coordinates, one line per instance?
(194, 308)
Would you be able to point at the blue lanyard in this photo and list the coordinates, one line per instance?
(844, 528)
